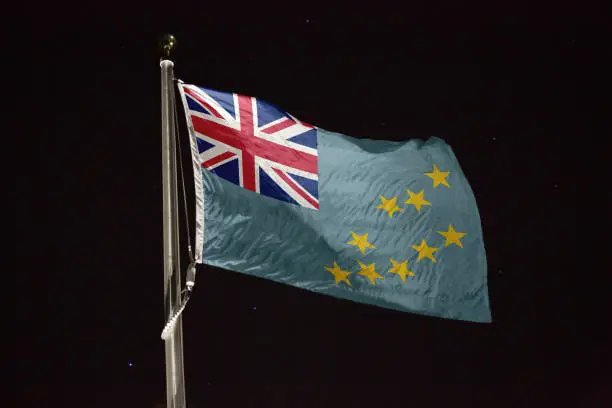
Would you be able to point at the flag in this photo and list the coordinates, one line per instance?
(392, 224)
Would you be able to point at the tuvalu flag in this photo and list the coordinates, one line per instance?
(393, 224)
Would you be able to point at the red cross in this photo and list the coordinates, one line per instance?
(250, 145)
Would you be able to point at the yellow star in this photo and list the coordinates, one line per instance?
(361, 241)
(389, 206)
(439, 177)
(452, 236)
(369, 272)
(416, 199)
(339, 274)
(425, 251)
(401, 269)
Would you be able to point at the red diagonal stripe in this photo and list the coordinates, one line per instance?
(217, 131)
(217, 159)
(257, 146)
(297, 188)
(279, 126)
(203, 102)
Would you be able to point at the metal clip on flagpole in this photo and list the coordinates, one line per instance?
(185, 295)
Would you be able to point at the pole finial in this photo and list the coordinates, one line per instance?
(168, 44)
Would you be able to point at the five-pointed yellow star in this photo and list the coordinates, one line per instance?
(416, 199)
(452, 236)
(439, 177)
(369, 272)
(361, 241)
(401, 269)
(339, 274)
(425, 251)
(389, 206)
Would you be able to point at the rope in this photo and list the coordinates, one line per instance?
(180, 154)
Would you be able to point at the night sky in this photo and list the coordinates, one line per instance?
(517, 96)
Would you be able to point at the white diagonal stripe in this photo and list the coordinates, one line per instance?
(226, 115)
(291, 131)
(286, 187)
(274, 123)
(274, 138)
(212, 153)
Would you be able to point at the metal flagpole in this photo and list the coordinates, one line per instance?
(175, 384)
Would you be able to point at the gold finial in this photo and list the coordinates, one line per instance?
(168, 44)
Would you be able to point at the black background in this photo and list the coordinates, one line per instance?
(518, 92)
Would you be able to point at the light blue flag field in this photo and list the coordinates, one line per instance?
(392, 224)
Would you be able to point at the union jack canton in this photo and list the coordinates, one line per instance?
(254, 145)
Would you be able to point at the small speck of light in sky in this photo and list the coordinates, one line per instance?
(130, 364)
(308, 20)
(254, 307)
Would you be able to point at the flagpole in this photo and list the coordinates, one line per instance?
(175, 384)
